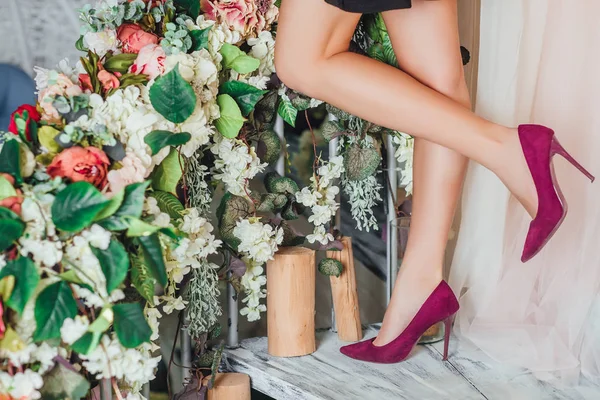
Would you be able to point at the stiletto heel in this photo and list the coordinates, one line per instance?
(558, 149)
(447, 332)
(539, 147)
(441, 305)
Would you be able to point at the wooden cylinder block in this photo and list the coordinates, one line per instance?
(291, 302)
(229, 386)
(345, 295)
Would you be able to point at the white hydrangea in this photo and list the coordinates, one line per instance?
(253, 283)
(73, 329)
(199, 69)
(199, 126)
(45, 354)
(404, 154)
(44, 252)
(22, 385)
(258, 241)
(102, 42)
(97, 236)
(236, 164)
(263, 48)
(218, 35)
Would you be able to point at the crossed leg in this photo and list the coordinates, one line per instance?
(426, 43)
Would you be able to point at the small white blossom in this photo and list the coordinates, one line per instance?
(102, 42)
(320, 235)
(258, 241)
(22, 385)
(173, 303)
(73, 329)
(97, 237)
(44, 252)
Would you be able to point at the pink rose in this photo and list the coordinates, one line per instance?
(132, 171)
(150, 61)
(248, 17)
(108, 80)
(81, 164)
(85, 82)
(133, 38)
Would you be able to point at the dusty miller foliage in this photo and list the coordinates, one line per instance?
(196, 177)
(202, 294)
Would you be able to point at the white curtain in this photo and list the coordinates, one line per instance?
(540, 63)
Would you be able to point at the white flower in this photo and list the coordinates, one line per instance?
(44, 252)
(259, 241)
(307, 197)
(263, 48)
(2, 261)
(404, 155)
(45, 355)
(102, 42)
(320, 235)
(151, 206)
(73, 329)
(22, 385)
(173, 303)
(97, 237)
(153, 316)
(200, 129)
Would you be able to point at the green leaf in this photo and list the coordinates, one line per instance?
(360, 163)
(287, 111)
(26, 280)
(6, 188)
(157, 140)
(167, 175)
(112, 206)
(168, 204)
(141, 279)
(231, 209)
(71, 277)
(236, 59)
(388, 52)
(191, 7)
(231, 120)
(132, 206)
(173, 97)
(246, 96)
(87, 343)
(331, 267)
(52, 306)
(46, 136)
(200, 39)
(137, 228)
(153, 255)
(64, 383)
(130, 325)
(10, 231)
(114, 263)
(76, 206)
(10, 162)
(120, 63)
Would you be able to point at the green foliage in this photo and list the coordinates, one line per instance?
(189, 7)
(330, 129)
(168, 204)
(270, 144)
(131, 207)
(167, 175)
(230, 211)
(331, 267)
(77, 206)
(200, 39)
(289, 212)
(301, 102)
(153, 255)
(287, 111)
(142, 279)
(234, 58)
(120, 63)
(11, 228)
(246, 96)
(10, 160)
(130, 325)
(46, 136)
(114, 263)
(53, 305)
(87, 343)
(360, 163)
(26, 280)
(272, 202)
(336, 112)
(290, 236)
(137, 227)
(112, 206)
(173, 97)
(231, 120)
(64, 383)
(157, 140)
(278, 184)
(264, 111)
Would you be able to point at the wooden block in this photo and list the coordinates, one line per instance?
(345, 295)
(230, 386)
(291, 302)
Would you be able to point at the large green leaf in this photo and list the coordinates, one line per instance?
(173, 97)
(137, 228)
(113, 205)
(246, 96)
(52, 306)
(167, 175)
(191, 7)
(26, 280)
(64, 383)
(157, 140)
(287, 111)
(87, 343)
(200, 39)
(10, 231)
(114, 263)
(10, 160)
(236, 59)
(130, 325)
(153, 255)
(6, 188)
(231, 120)
(132, 206)
(76, 206)
(168, 204)
(141, 279)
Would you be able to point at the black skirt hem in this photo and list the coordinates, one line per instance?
(370, 6)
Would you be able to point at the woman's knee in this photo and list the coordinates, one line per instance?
(450, 82)
(296, 72)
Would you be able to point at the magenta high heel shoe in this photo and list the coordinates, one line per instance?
(539, 146)
(441, 305)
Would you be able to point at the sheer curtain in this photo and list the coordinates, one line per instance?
(539, 62)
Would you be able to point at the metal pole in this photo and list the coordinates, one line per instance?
(333, 151)
(146, 391)
(105, 389)
(392, 229)
(185, 342)
(232, 309)
(279, 129)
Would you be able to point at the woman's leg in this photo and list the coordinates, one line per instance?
(312, 56)
(425, 39)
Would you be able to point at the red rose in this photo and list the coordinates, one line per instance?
(85, 82)
(34, 115)
(133, 38)
(81, 164)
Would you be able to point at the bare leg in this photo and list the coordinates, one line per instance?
(312, 56)
(426, 43)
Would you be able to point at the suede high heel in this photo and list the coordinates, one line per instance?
(539, 147)
(441, 305)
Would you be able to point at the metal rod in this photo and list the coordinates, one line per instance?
(279, 129)
(232, 309)
(392, 228)
(105, 389)
(185, 341)
(146, 391)
(333, 152)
